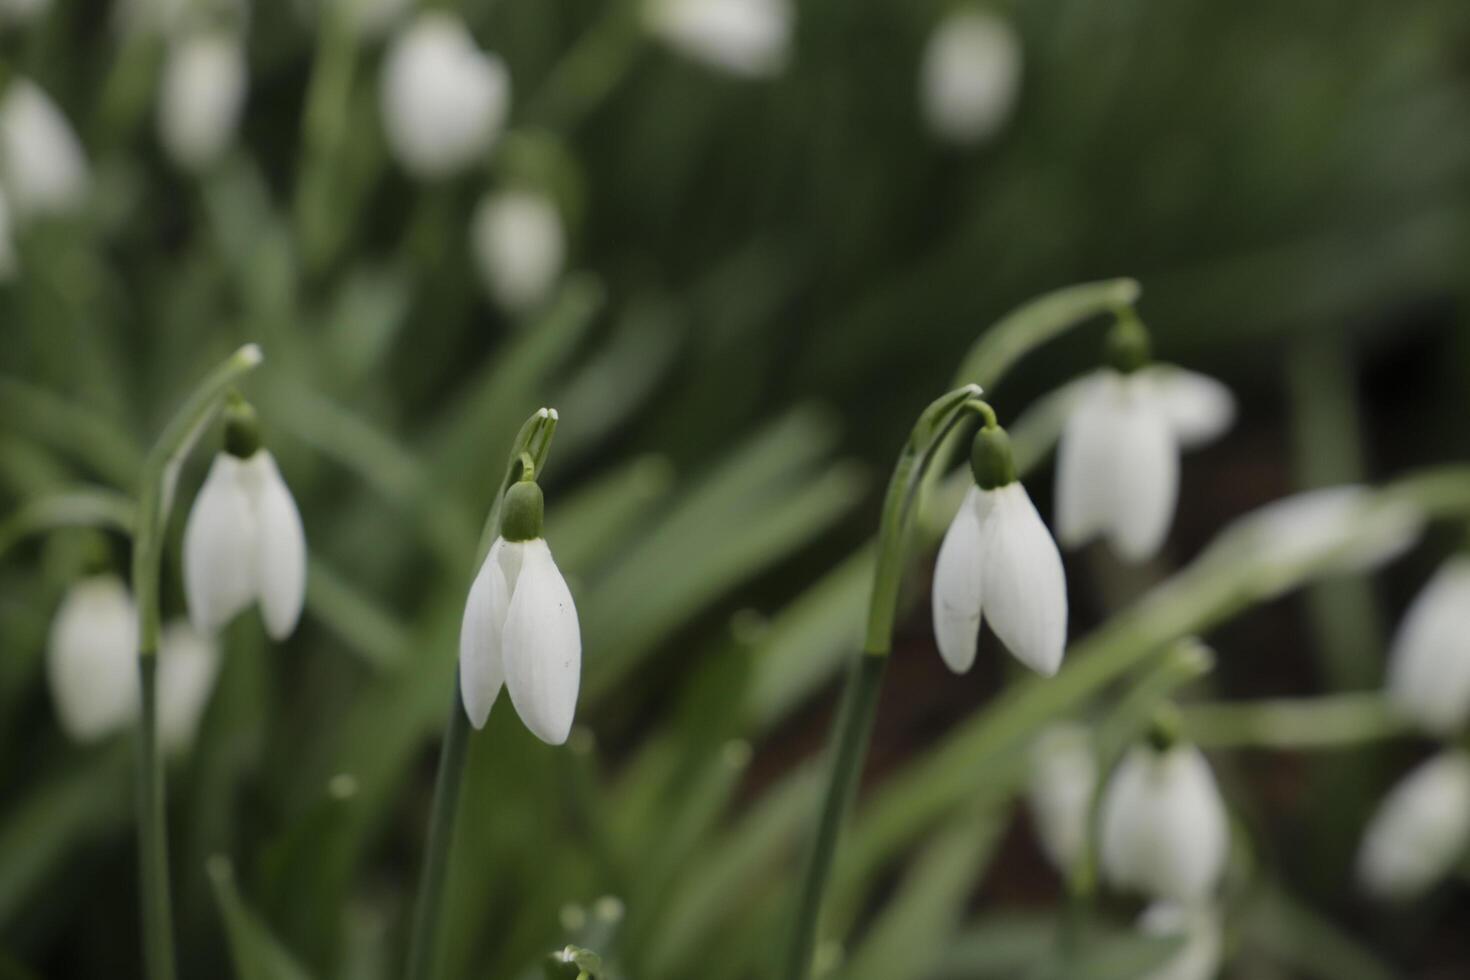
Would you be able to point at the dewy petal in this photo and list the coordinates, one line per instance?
(92, 658)
(280, 544)
(1429, 665)
(220, 559)
(481, 633)
(1199, 409)
(1025, 590)
(188, 663)
(1082, 456)
(957, 587)
(543, 646)
(1141, 479)
(1420, 831)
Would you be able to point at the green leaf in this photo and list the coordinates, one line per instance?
(256, 954)
(78, 507)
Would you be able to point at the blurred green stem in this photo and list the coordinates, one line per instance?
(589, 72)
(1331, 721)
(450, 779)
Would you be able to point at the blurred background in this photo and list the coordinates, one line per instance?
(739, 245)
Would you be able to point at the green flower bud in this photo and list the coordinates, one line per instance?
(1165, 731)
(242, 428)
(523, 513)
(1127, 347)
(990, 458)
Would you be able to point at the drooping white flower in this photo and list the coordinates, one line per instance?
(970, 75)
(201, 97)
(519, 246)
(742, 37)
(520, 628)
(92, 659)
(1164, 828)
(244, 543)
(1429, 664)
(1199, 926)
(188, 664)
(45, 170)
(1420, 831)
(1062, 781)
(1118, 458)
(444, 100)
(998, 563)
(9, 261)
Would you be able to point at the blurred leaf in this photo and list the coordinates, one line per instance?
(1306, 942)
(257, 954)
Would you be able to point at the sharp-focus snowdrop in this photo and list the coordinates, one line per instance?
(742, 37)
(1429, 664)
(520, 627)
(519, 246)
(1062, 781)
(188, 664)
(92, 659)
(444, 100)
(1164, 828)
(244, 543)
(998, 563)
(201, 97)
(45, 169)
(1199, 926)
(970, 75)
(1420, 831)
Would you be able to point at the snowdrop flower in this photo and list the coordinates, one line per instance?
(1164, 829)
(1118, 458)
(1199, 957)
(1062, 781)
(520, 627)
(92, 659)
(970, 75)
(742, 37)
(519, 246)
(188, 663)
(1429, 664)
(9, 261)
(201, 98)
(1420, 831)
(444, 100)
(998, 562)
(243, 541)
(45, 169)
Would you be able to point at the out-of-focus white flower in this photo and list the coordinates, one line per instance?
(970, 76)
(1420, 831)
(9, 261)
(998, 561)
(1199, 926)
(520, 628)
(743, 37)
(1429, 665)
(45, 170)
(201, 98)
(1118, 459)
(1164, 828)
(1062, 781)
(519, 246)
(188, 663)
(243, 542)
(444, 100)
(22, 11)
(92, 660)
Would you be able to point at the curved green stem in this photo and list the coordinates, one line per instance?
(82, 507)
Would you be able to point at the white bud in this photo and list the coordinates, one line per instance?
(970, 76)
(92, 659)
(444, 100)
(188, 664)
(741, 37)
(1164, 828)
(1199, 927)
(519, 247)
(201, 98)
(1062, 781)
(45, 170)
(1429, 664)
(1420, 831)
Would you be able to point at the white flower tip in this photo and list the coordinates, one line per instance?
(552, 413)
(249, 356)
(543, 413)
(477, 707)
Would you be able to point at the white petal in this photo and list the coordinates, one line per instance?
(1429, 666)
(1420, 831)
(220, 561)
(1164, 828)
(956, 594)
(188, 663)
(970, 75)
(543, 646)
(1199, 408)
(1141, 475)
(1199, 957)
(92, 658)
(1062, 781)
(44, 167)
(481, 637)
(280, 544)
(742, 37)
(519, 246)
(1083, 500)
(1025, 598)
(200, 97)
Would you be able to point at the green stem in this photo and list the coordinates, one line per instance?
(423, 948)
(1332, 721)
(849, 748)
(158, 953)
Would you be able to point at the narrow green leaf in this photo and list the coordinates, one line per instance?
(256, 954)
